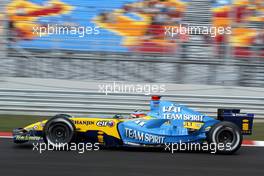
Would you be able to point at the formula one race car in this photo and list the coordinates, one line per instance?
(165, 123)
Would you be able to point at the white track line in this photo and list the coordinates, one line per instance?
(259, 143)
(6, 137)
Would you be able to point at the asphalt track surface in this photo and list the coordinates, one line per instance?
(17, 160)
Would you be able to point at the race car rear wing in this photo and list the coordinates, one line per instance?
(243, 120)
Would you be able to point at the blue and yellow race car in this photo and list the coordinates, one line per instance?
(166, 123)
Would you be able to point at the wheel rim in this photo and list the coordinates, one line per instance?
(58, 133)
(227, 135)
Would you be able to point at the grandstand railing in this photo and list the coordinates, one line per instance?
(133, 67)
(43, 102)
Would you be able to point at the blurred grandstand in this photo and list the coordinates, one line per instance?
(132, 45)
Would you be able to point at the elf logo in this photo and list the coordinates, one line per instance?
(105, 123)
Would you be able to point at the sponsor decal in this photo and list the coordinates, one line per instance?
(140, 123)
(104, 123)
(175, 112)
(42, 124)
(187, 117)
(83, 122)
(171, 108)
(144, 137)
(245, 125)
(27, 138)
(240, 115)
(193, 125)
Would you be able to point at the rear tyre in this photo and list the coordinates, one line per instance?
(226, 136)
(59, 131)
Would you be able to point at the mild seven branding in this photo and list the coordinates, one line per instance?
(144, 137)
(175, 112)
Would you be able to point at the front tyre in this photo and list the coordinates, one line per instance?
(226, 136)
(59, 130)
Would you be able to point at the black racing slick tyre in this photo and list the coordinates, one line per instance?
(59, 131)
(226, 136)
